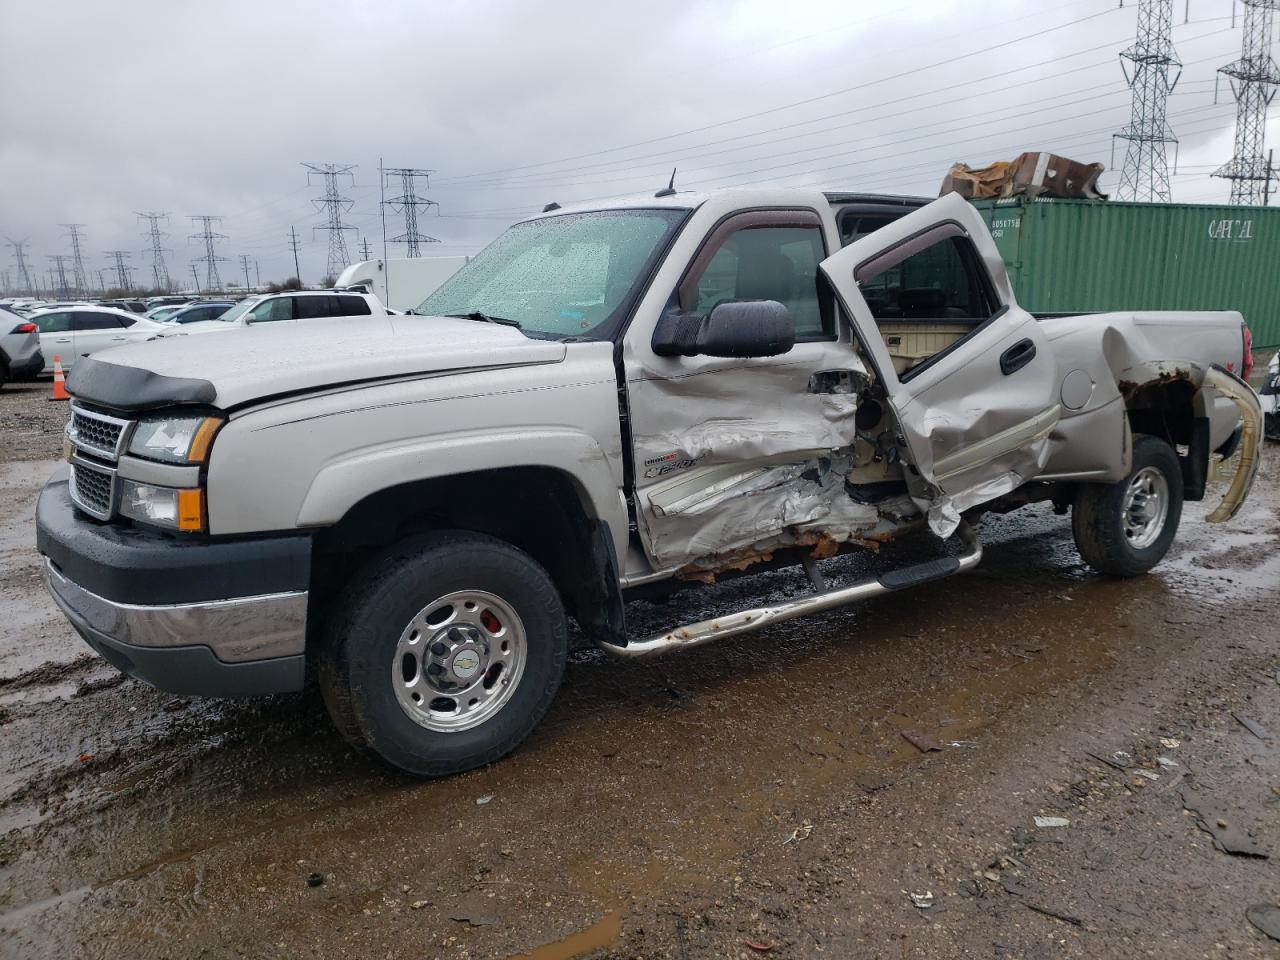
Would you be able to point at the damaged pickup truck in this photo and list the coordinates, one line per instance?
(670, 388)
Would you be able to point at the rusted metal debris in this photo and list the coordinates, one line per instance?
(921, 741)
(1029, 174)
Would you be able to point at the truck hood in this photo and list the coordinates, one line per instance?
(254, 363)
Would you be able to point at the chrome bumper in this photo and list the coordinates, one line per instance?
(239, 630)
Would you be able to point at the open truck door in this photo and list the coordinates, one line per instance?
(969, 374)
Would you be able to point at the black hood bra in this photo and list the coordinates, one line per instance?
(134, 389)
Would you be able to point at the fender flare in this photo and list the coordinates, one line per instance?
(346, 480)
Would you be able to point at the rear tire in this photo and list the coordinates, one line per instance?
(444, 655)
(1124, 529)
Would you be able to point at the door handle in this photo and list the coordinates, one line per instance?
(1017, 356)
(119, 338)
(62, 340)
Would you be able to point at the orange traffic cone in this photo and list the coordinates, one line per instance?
(59, 381)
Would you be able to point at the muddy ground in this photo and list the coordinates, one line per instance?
(757, 799)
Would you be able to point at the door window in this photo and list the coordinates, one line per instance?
(349, 306)
(281, 308)
(53, 322)
(928, 301)
(94, 321)
(312, 308)
(770, 263)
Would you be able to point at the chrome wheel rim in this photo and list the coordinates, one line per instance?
(459, 661)
(1146, 507)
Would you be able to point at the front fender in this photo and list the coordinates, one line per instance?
(345, 481)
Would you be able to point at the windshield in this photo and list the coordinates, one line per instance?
(567, 276)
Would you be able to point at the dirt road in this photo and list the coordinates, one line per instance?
(756, 799)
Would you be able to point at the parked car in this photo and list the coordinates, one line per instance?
(132, 306)
(158, 313)
(70, 333)
(20, 357)
(669, 389)
(171, 300)
(1271, 399)
(275, 308)
(199, 311)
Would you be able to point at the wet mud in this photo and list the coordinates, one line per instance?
(757, 798)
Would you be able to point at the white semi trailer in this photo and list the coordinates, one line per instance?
(401, 284)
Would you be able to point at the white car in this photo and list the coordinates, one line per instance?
(73, 332)
(1271, 399)
(163, 310)
(287, 307)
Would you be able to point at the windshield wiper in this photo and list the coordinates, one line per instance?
(485, 318)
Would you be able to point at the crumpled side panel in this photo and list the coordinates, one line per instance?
(712, 519)
(730, 453)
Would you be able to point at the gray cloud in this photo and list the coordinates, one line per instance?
(106, 109)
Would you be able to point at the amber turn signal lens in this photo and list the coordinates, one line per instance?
(200, 442)
(191, 510)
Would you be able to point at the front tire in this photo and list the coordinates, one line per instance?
(1124, 529)
(446, 654)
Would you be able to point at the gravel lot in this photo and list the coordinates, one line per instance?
(754, 799)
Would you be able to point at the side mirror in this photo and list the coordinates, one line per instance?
(734, 328)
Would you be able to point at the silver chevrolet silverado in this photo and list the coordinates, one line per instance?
(611, 397)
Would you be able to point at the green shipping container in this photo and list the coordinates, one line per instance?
(1095, 256)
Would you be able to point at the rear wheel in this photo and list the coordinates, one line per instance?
(445, 655)
(1126, 528)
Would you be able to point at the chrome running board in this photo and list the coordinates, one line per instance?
(744, 621)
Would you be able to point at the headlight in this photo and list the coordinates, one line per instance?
(174, 439)
(163, 506)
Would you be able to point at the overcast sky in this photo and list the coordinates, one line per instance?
(107, 109)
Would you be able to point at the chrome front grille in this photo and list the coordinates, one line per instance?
(95, 437)
(93, 489)
(97, 433)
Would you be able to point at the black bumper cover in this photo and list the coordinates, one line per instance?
(135, 566)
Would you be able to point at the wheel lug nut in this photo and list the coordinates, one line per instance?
(439, 649)
(435, 669)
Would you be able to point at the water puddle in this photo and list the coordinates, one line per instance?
(600, 935)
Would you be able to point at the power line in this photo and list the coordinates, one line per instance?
(798, 103)
(60, 270)
(293, 245)
(19, 256)
(334, 205)
(77, 261)
(122, 269)
(159, 270)
(408, 203)
(664, 157)
(1253, 80)
(1146, 160)
(212, 281)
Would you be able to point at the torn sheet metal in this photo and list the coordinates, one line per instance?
(729, 454)
(944, 513)
(713, 518)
